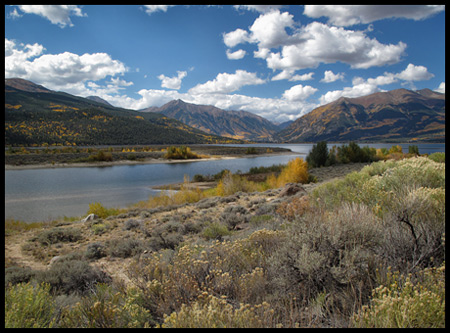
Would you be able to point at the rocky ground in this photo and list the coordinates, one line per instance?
(139, 232)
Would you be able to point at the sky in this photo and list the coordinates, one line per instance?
(277, 61)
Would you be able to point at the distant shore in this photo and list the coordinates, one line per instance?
(140, 162)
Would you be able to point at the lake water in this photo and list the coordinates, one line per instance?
(46, 194)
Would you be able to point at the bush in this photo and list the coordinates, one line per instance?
(124, 248)
(296, 171)
(413, 149)
(212, 312)
(318, 155)
(56, 235)
(355, 154)
(215, 230)
(73, 276)
(101, 156)
(15, 275)
(181, 152)
(95, 250)
(437, 157)
(328, 252)
(102, 212)
(106, 308)
(29, 307)
(405, 303)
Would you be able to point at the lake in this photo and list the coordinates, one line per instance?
(46, 194)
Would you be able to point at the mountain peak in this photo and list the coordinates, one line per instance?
(399, 114)
(25, 85)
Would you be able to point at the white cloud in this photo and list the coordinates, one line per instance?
(441, 88)
(235, 37)
(65, 71)
(415, 73)
(313, 44)
(225, 83)
(303, 77)
(347, 15)
(362, 87)
(239, 54)
(275, 109)
(325, 44)
(269, 30)
(149, 9)
(172, 82)
(258, 8)
(299, 93)
(289, 75)
(329, 77)
(56, 14)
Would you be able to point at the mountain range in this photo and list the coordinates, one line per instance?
(393, 116)
(35, 115)
(234, 124)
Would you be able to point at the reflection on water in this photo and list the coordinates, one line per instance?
(44, 194)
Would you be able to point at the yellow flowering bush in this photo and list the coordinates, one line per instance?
(28, 306)
(213, 312)
(403, 303)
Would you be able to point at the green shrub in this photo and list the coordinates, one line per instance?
(352, 153)
(124, 248)
(56, 235)
(437, 157)
(181, 152)
(102, 212)
(405, 303)
(95, 250)
(413, 149)
(215, 230)
(106, 308)
(327, 251)
(15, 275)
(27, 306)
(251, 151)
(101, 156)
(73, 276)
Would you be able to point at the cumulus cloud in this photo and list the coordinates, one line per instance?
(362, 87)
(226, 83)
(299, 93)
(235, 37)
(415, 73)
(239, 54)
(56, 14)
(258, 8)
(348, 15)
(269, 30)
(325, 44)
(172, 82)
(64, 71)
(329, 76)
(313, 44)
(289, 75)
(441, 88)
(150, 9)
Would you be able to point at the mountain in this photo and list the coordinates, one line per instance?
(233, 124)
(35, 115)
(397, 115)
(98, 99)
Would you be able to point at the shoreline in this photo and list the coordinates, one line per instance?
(10, 167)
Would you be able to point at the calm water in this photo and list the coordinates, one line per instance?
(45, 194)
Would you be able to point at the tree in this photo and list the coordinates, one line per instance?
(318, 155)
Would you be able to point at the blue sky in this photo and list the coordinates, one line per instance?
(279, 62)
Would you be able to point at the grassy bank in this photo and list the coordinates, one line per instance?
(364, 250)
